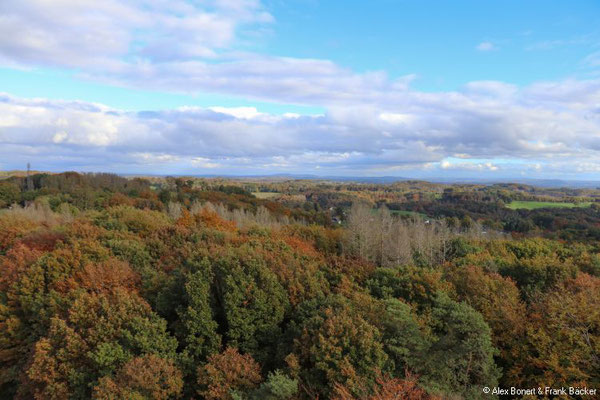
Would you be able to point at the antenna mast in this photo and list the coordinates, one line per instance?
(29, 181)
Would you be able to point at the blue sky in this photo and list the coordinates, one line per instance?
(533, 40)
(494, 89)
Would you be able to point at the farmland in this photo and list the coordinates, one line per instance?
(534, 205)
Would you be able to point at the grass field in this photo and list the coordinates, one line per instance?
(532, 205)
(402, 213)
(409, 213)
(266, 195)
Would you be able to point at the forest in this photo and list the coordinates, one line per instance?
(187, 288)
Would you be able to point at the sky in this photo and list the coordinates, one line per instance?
(418, 89)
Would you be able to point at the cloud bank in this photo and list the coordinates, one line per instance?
(373, 124)
(553, 125)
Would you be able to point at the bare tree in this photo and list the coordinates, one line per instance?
(387, 240)
(360, 227)
(244, 218)
(174, 210)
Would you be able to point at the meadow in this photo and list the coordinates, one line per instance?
(266, 195)
(534, 205)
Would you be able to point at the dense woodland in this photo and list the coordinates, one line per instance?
(164, 288)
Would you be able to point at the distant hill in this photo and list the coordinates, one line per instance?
(546, 183)
(19, 173)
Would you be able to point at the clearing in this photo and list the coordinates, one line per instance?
(532, 205)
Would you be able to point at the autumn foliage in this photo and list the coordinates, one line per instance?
(120, 289)
(388, 388)
(226, 372)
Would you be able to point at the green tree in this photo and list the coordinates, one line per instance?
(460, 360)
(564, 336)
(227, 374)
(499, 302)
(418, 286)
(336, 345)
(148, 377)
(537, 275)
(200, 336)
(278, 386)
(252, 303)
(10, 193)
(403, 340)
(101, 333)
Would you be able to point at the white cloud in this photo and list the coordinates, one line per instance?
(469, 166)
(395, 118)
(455, 130)
(592, 60)
(60, 137)
(176, 46)
(238, 112)
(585, 39)
(155, 158)
(372, 122)
(203, 162)
(486, 46)
(113, 35)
